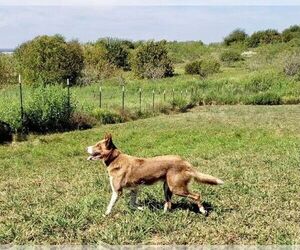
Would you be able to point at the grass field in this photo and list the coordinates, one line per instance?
(50, 194)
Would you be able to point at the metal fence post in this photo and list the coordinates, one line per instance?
(153, 100)
(140, 100)
(173, 102)
(123, 97)
(21, 101)
(100, 97)
(68, 87)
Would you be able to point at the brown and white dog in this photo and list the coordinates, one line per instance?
(127, 171)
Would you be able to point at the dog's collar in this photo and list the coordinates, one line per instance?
(111, 157)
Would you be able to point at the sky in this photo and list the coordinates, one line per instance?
(88, 20)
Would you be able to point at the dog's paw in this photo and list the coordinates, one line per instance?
(203, 211)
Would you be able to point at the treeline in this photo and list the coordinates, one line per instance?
(51, 59)
(268, 36)
(48, 60)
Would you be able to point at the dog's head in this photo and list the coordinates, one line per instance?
(102, 149)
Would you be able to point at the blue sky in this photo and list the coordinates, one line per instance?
(149, 19)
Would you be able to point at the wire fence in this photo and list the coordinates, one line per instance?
(111, 97)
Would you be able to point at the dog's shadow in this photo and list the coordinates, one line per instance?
(181, 204)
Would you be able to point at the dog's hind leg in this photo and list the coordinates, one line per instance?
(168, 197)
(183, 191)
(133, 199)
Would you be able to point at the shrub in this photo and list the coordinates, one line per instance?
(151, 60)
(5, 132)
(230, 56)
(7, 70)
(82, 121)
(265, 99)
(49, 59)
(291, 33)
(203, 67)
(209, 66)
(192, 68)
(236, 36)
(106, 116)
(48, 109)
(116, 51)
(292, 65)
(264, 37)
(182, 105)
(96, 64)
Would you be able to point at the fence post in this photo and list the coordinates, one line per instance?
(153, 100)
(68, 87)
(140, 100)
(21, 102)
(123, 98)
(173, 101)
(100, 97)
(164, 95)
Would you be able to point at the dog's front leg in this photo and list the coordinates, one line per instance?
(113, 199)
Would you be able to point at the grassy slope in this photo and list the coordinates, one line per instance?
(50, 194)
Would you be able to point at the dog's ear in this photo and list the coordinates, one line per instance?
(108, 136)
(108, 141)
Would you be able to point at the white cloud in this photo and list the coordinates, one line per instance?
(148, 2)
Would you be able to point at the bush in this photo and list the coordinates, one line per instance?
(106, 116)
(5, 132)
(151, 61)
(230, 56)
(48, 109)
(265, 99)
(291, 33)
(203, 67)
(292, 65)
(192, 68)
(7, 70)
(182, 105)
(96, 64)
(264, 37)
(82, 121)
(49, 59)
(236, 36)
(117, 51)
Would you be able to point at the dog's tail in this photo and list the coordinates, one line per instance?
(206, 178)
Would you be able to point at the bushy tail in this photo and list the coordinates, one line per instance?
(206, 178)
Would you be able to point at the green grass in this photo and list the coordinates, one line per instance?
(50, 194)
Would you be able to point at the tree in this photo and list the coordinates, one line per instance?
(49, 59)
(96, 63)
(236, 36)
(7, 70)
(117, 51)
(151, 60)
(264, 37)
(291, 33)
